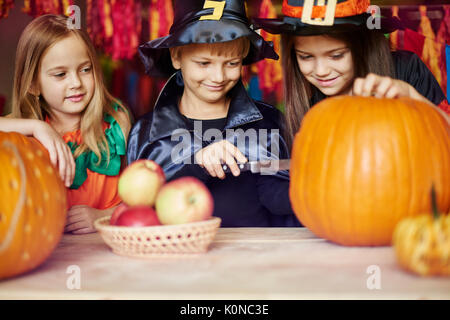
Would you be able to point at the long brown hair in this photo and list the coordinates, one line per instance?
(371, 54)
(37, 37)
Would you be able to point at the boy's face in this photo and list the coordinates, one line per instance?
(207, 77)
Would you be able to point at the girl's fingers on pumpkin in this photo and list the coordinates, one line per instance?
(61, 163)
(383, 86)
(51, 148)
(370, 83)
(392, 93)
(70, 164)
(357, 86)
(68, 168)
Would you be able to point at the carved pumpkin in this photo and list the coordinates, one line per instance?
(32, 206)
(422, 243)
(360, 165)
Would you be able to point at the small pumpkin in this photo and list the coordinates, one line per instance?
(422, 243)
(32, 206)
(361, 164)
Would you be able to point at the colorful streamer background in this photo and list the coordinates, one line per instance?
(117, 27)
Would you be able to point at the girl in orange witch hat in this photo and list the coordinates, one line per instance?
(337, 48)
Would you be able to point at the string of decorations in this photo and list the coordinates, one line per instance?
(5, 6)
(115, 26)
(36, 8)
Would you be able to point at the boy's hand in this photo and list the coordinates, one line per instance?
(213, 156)
(59, 151)
(80, 219)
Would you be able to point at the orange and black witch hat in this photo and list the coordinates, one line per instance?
(312, 17)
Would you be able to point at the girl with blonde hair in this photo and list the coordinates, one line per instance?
(60, 99)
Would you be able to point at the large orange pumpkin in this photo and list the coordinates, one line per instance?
(360, 165)
(32, 206)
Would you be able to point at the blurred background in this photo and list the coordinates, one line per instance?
(117, 27)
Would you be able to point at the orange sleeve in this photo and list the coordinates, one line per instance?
(98, 191)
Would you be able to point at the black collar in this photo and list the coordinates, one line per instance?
(167, 117)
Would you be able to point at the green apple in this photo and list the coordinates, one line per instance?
(184, 200)
(140, 182)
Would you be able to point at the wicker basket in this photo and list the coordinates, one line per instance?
(162, 240)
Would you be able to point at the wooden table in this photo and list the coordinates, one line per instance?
(242, 263)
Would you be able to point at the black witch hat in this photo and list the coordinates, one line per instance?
(204, 21)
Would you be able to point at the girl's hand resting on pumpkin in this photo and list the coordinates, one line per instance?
(80, 219)
(385, 87)
(216, 154)
(59, 151)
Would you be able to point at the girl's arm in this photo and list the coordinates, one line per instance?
(59, 151)
(23, 126)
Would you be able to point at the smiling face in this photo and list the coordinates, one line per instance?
(66, 79)
(207, 75)
(326, 63)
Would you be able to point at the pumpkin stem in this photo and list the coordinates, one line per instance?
(434, 206)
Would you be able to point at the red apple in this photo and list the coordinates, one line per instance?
(117, 212)
(140, 182)
(184, 200)
(140, 216)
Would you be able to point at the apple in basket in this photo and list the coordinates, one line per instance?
(117, 212)
(140, 182)
(184, 200)
(139, 216)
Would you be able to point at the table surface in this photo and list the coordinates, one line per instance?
(241, 263)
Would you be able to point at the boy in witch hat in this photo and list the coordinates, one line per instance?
(204, 119)
(336, 47)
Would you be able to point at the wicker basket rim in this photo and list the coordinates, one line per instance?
(101, 224)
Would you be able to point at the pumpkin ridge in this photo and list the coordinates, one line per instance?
(303, 205)
(372, 114)
(322, 178)
(444, 148)
(20, 202)
(392, 113)
(435, 164)
(409, 149)
(337, 122)
(349, 177)
(321, 191)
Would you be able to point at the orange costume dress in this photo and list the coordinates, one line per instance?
(94, 184)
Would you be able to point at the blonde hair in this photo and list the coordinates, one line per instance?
(37, 37)
(237, 47)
